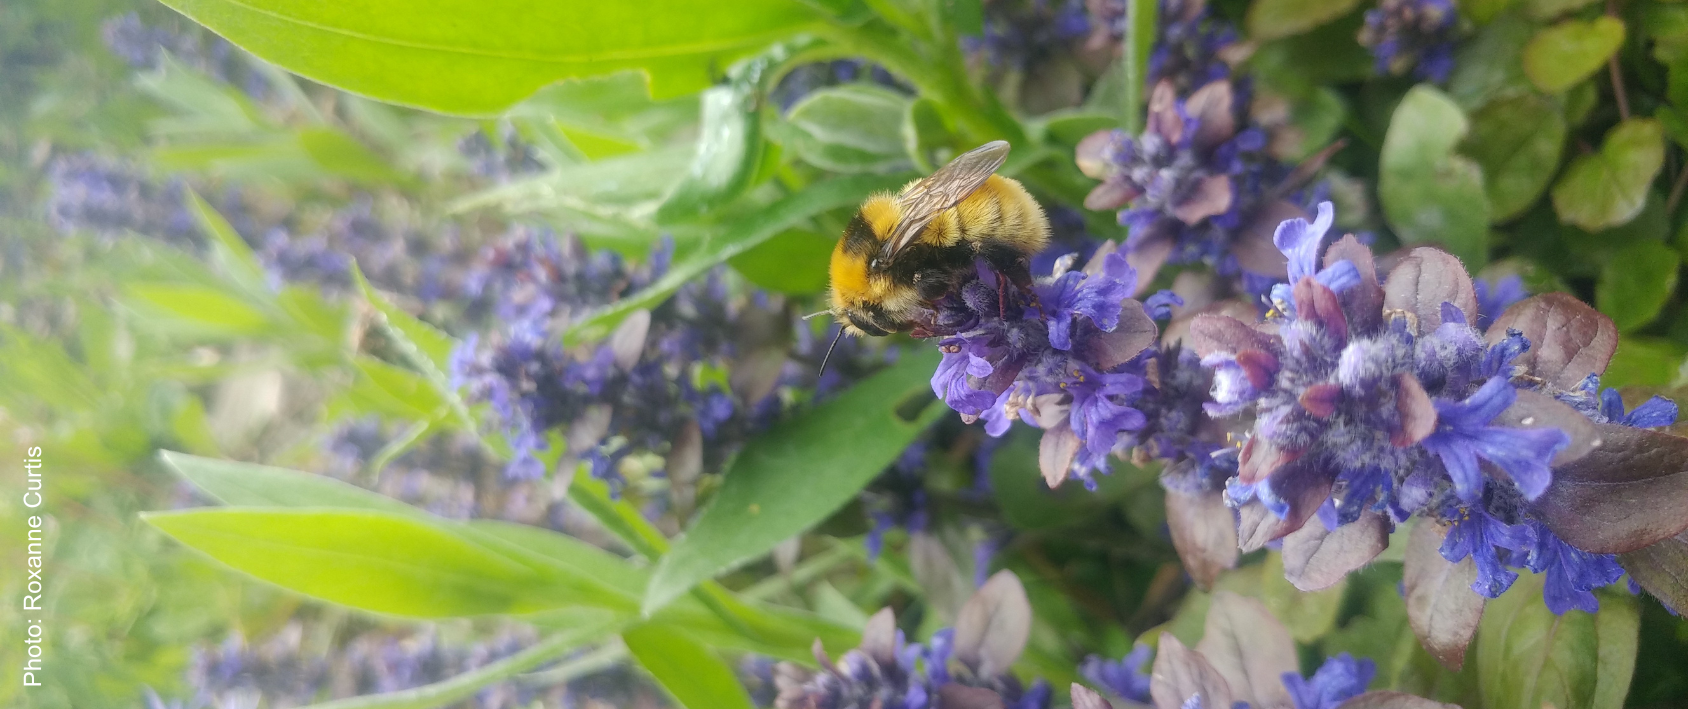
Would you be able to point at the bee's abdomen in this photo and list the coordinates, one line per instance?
(1002, 214)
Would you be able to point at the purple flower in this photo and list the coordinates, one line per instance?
(1477, 534)
(1463, 435)
(1124, 678)
(1494, 298)
(1341, 678)
(1413, 36)
(1572, 574)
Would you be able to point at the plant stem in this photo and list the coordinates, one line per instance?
(598, 660)
(1134, 53)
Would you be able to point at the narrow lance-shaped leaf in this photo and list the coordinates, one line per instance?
(469, 58)
(688, 669)
(797, 473)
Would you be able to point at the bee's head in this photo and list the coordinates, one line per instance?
(859, 286)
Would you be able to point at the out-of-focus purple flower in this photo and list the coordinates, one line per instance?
(145, 46)
(1607, 406)
(1018, 34)
(1494, 298)
(1341, 678)
(897, 498)
(1188, 45)
(1125, 678)
(1412, 36)
(93, 194)
(508, 158)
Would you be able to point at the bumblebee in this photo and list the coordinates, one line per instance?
(906, 249)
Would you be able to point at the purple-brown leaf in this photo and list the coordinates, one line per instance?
(958, 696)
(1136, 332)
(993, 626)
(1093, 154)
(1249, 648)
(1662, 569)
(1627, 493)
(879, 638)
(1087, 698)
(1441, 607)
(1150, 253)
(1180, 673)
(1426, 279)
(1568, 339)
(1211, 197)
(1304, 486)
(1204, 531)
(1110, 194)
(1253, 247)
(1393, 700)
(1220, 333)
(1418, 414)
(628, 340)
(1210, 105)
(1534, 409)
(1363, 302)
(1164, 118)
(1316, 558)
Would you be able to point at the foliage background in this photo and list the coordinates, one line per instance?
(116, 347)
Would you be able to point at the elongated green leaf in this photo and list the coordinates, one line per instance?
(1635, 284)
(249, 485)
(229, 252)
(465, 685)
(1527, 657)
(202, 309)
(375, 561)
(1272, 19)
(1430, 194)
(339, 154)
(696, 676)
(1609, 187)
(736, 238)
(424, 348)
(409, 392)
(796, 474)
(475, 58)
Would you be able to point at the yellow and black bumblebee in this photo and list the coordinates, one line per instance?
(906, 249)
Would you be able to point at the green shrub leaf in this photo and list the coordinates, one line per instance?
(688, 669)
(1636, 283)
(1517, 141)
(1562, 55)
(1430, 194)
(1609, 187)
(1527, 657)
(470, 58)
(1271, 19)
(797, 473)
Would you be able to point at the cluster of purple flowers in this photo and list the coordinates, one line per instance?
(965, 667)
(1068, 357)
(1189, 46)
(1340, 678)
(1371, 398)
(146, 47)
(1412, 36)
(1196, 186)
(1017, 34)
(806, 79)
(500, 160)
(92, 194)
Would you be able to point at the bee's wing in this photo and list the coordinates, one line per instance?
(922, 201)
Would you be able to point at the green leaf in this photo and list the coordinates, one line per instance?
(1429, 193)
(794, 475)
(201, 309)
(1272, 19)
(1527, 657)
(1517, 141)
(1549, 9)
(854, 127)
(927, 134)
(1487, 67)
(688, 669)
(1566, 53)
(466, 685)
(470, 58)
(250, 485)
(375, 561)
(1636, 283)
(736, 238)
(230, 253)
(729, 148)
(407, 394)
(1308, 616)
(1609, 188)
(1644, 362)
(793, 262)
(424, 348)
(339, 154)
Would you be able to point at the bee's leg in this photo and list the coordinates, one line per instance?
(1019, 272)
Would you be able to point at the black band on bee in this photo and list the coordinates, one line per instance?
(865, 323)
(859, 239)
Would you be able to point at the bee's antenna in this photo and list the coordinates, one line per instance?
(812, 316)
(829, 350)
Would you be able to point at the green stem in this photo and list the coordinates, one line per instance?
(1134, 57)
(817, 566)
(591, 663)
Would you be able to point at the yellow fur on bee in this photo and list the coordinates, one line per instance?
(999, 211)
